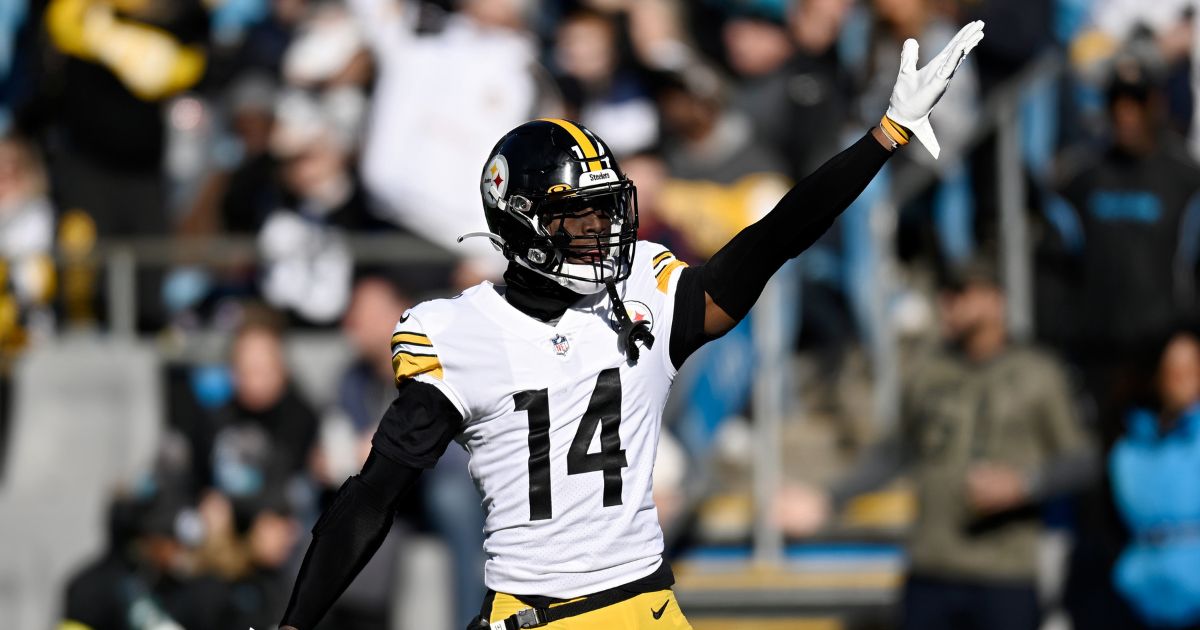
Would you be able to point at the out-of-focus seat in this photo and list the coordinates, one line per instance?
(86, 417)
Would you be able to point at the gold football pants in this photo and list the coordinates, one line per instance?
(648, 611)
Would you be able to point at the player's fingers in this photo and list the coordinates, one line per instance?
(969, 30)
(964, 35)
(956, 57)
(974, 41)
(908, 56)
(950, 63)
(935, 64)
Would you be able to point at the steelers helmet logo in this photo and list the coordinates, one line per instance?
(495, 180)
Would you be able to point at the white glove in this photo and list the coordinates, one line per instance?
(917, 91)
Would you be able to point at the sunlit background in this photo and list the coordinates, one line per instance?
(975, 397)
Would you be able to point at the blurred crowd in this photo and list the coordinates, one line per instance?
(302, 127)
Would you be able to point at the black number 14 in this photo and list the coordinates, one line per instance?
(604, 410)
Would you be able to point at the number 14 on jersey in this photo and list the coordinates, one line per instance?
(603, 412)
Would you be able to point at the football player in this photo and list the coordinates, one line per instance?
(555, 382)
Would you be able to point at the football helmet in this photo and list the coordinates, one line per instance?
(550, 169)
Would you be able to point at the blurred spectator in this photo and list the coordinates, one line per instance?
(988, 431)
(1113, 23)
(27, 279)
(244, 194)
(704, 138)
(259, 595)
(1132, 217)
(308, 264)
(328, 58)
(250, 555)
(261, 440)
(657, 33)
(1161, 32)
(1154, 479)
(252, 454)
(719, 177)
(264, 42)
(367, 387)
(123, 58)
(791, 84)
(145, 578)
(597, 89)
(237, 193)
(441, 99)
(648, 171)
(104, 102)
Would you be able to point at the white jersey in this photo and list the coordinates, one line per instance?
(561, 428)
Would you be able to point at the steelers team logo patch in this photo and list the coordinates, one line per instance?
(495, 180)
(638, 312)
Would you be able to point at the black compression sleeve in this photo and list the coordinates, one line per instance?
(418, 426)
(346, 536)
(735, 276)
(412, 435)
(687, 329)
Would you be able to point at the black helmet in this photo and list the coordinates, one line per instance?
(551, 168)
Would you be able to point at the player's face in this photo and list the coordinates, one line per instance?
(590, 231)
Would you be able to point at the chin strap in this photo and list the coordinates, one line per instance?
(631, 333)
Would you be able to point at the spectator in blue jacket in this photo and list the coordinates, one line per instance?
(1155, 469)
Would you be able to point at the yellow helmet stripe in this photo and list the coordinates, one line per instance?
(585, 145)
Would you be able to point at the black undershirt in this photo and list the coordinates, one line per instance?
(421, 422)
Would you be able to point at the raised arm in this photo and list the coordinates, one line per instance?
(413, 434)
(731, 281)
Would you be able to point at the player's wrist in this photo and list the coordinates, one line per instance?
(882, 138)
(895, 133)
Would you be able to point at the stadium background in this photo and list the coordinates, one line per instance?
(211, 213)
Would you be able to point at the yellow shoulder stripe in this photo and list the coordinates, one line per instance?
(73, 625)
(409, 365)
(664, 276)
(412, 339)
(585, 145)
(660, 257)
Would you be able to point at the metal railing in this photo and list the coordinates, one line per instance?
(122, 258)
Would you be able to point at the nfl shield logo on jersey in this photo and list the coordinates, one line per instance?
(561, 345)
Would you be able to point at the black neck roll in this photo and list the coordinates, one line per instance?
(536, 295)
